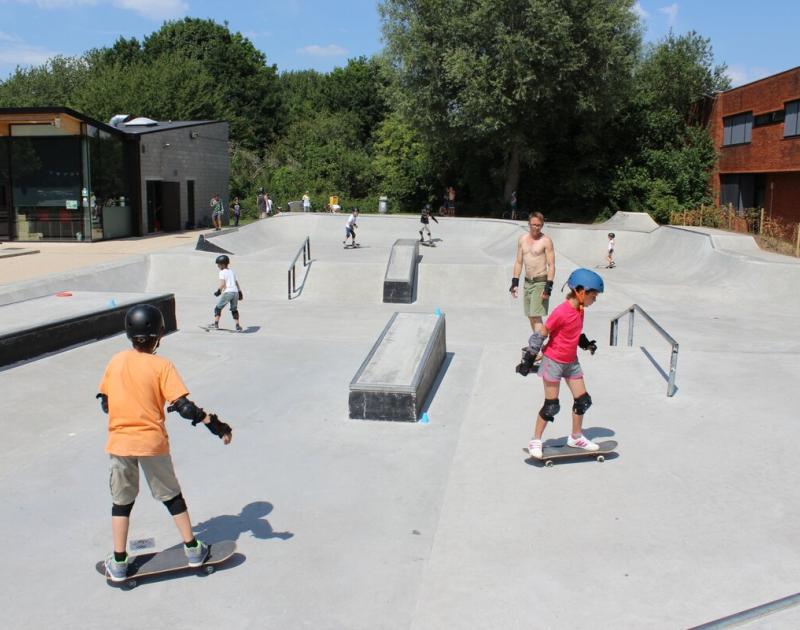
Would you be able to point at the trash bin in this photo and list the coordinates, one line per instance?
(383, 205)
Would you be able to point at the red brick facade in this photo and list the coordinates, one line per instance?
(771, 159)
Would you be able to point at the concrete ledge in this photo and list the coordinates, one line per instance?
(64, 322)
(396, 377)
(401, 272)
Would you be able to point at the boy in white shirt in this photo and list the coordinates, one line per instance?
(229, 292)
(610, 256)
(350, 228)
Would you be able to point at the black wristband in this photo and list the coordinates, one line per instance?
(514, 283)
(548, 287)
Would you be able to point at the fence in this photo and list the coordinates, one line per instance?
(673, 361)
(305, 250)
(771, 232)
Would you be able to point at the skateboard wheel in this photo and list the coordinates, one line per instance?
(129, 585)
(209, 570)
(549, 463)
(601, 459)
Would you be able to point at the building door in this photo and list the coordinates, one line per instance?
(6, 212)
(190, 204)
(171, 213)
(155, 205)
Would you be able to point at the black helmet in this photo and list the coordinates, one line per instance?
(611, 235)
(222, 259)
(144, 321)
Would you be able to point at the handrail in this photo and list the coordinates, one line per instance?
(673, 361)
(305, 249)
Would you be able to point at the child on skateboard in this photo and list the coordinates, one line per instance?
(135, 386)
(425, 218)
(610, 256)
(564, 332)
(228, 292)
(350, 228)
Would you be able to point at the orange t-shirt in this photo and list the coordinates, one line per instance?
(138, 385)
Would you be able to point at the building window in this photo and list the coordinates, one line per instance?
(791, 125)
(737, 129)
(770, 118)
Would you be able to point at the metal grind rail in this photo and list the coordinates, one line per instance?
(673, 361)
(751, 614)
(305, 250)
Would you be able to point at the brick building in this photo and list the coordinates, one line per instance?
(65, 176)
(756, 130)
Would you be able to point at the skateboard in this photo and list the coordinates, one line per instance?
(428, 244)
(169, 560)
(552, 453)
(353, 246)
(220, 329)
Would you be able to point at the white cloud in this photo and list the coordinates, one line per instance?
(331, 50)
(739, 74)
(671, 11)
(15, 52)
(155, 9)
(639, 11)
(57, 4)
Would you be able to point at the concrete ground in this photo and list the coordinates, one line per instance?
(357, 524)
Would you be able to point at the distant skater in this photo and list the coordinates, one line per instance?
(564, 331)
(350, 228)
(425, 218)
(610, 257)
(535, 252)
(228, 292)
(135, 387)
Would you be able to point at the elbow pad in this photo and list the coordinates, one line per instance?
(103, 402)
(187, 409)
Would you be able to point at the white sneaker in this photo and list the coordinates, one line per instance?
(535, 449)
(582, 442)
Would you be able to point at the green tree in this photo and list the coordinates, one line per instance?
(49, 85)
(674, 152)
(506, 77)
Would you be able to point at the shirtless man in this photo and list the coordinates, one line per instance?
(535, 252)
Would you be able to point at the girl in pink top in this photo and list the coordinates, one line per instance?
(564, 330)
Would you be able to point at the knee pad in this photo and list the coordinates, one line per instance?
(217, 311)
(121, 510)
(176, 505)
(582, 404)
(535, 342)
(235, 314)
(550, 409)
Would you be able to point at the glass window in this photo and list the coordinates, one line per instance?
(109, 200)
(737, 129)
(791, 124)
(46, 187)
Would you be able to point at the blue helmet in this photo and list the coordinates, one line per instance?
(585, 278)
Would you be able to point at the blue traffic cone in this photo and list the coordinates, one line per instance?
(425, 419)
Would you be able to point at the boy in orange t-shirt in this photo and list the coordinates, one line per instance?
(135, 387)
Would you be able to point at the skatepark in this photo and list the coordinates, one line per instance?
(344, 523)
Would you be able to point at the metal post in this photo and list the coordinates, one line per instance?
(614, 330)
(673, 368)
(630, 326)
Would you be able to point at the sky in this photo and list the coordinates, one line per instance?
(754, 39)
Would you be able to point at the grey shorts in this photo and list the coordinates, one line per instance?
(553, 371)
(158, 471)
(532, 302)
(228, 297)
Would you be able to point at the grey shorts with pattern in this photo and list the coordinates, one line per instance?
(553, 371)
(158, 471)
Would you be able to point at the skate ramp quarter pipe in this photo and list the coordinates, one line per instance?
(401, 272)
(56, 322)
(396, 377)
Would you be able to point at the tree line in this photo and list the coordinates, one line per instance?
(557, 100)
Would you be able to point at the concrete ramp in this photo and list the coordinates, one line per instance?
(38, 326)
(398, 372)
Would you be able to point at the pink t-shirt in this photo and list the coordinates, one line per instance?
(565, 325)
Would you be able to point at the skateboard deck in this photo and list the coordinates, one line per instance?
(356, 246)
(427, 244)
(228, 330)
(169, 560)
(552, 453)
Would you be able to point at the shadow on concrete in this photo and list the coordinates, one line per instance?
(448, 359)
(660, 370)
(230, 527)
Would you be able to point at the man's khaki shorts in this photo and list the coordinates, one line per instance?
(532, 302)
(158, 471)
